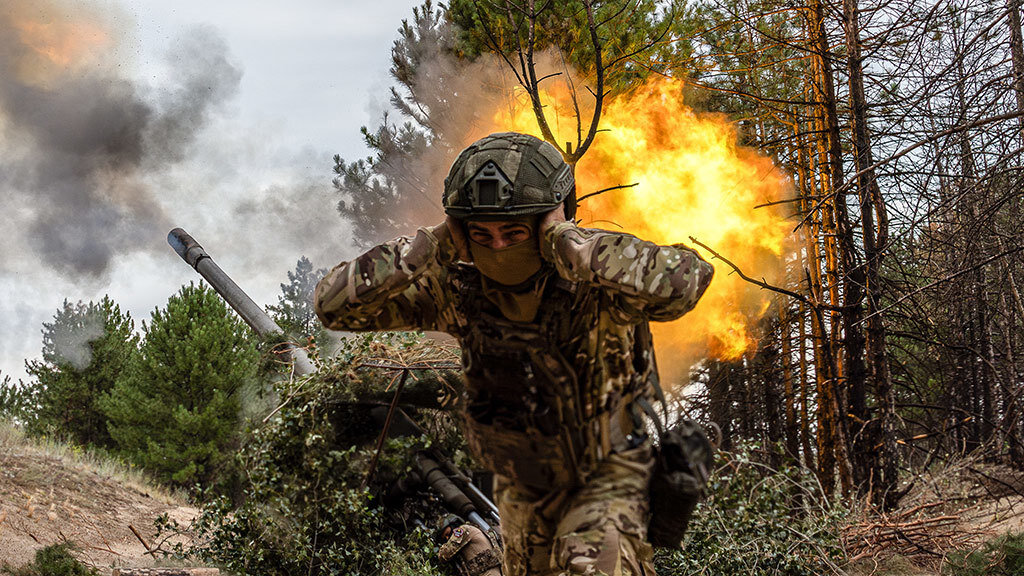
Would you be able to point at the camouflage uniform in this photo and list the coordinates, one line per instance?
(549, 402)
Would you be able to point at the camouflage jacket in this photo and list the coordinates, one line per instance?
(590, 337)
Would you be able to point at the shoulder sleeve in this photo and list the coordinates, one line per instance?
(651, 281)
(398, 285)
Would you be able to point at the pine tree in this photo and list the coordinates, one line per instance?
(85, 349)
(294, 311)
(387, 194)
(16, 400)
(176, 411)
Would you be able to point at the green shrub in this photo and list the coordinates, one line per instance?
(758, 521)
(1003, 556)
(304, 509)
(54, 560)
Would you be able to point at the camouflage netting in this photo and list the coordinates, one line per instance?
(307, 507)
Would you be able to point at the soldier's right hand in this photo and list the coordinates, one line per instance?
(458, 235)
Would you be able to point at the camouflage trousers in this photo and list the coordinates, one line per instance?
(599, 529)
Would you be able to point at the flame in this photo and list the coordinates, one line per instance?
(54, 39)
(692, 179)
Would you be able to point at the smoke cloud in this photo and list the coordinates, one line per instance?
(70, 341)
(455, 102)
(79, 135)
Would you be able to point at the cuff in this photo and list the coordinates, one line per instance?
(549, 245)
(442, 239)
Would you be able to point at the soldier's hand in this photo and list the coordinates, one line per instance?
(550, 219)
(458, 235)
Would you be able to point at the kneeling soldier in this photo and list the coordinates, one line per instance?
(556, 348)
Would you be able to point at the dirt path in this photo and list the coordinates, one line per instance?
(47, 499)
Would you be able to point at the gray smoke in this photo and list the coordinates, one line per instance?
(455, 102)
(78, 142)
(70, 342)
(295, 219)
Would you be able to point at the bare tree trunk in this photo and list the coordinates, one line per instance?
(883, 462)
(805, 419)
(1017, 57)
(719, 400)
(791, 426)
(768, 366)
(1011, 393)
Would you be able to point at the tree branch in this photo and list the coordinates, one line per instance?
(603, 190)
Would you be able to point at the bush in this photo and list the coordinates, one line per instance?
(304, 509)
(1003, 556)
(54, 560)
(759, 521)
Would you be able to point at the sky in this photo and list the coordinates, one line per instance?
(237, 108)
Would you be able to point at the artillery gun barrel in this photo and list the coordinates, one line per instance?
(452, 495)
(196, 257)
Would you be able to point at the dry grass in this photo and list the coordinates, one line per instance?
(13, 441)
(52, 492)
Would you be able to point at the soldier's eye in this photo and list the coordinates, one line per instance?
(479, 237)
(516, 235)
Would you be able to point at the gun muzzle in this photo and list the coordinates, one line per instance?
(186, 247)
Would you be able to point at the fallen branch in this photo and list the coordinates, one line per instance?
(149, 550)
(912, 534)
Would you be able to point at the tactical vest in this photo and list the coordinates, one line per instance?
(527, 413)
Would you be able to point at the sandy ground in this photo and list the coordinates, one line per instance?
(46, 499)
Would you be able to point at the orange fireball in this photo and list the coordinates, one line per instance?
(691, 179)
(54, 38)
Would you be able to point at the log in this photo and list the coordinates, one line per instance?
(166, 572)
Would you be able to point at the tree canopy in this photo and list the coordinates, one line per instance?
(175, 412)
(85, 350)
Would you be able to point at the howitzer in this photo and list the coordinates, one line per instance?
(456, 490)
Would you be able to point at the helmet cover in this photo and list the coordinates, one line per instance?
(508, 175)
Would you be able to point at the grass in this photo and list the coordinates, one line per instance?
(14, 441)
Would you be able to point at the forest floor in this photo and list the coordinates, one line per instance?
(51, 493)
(949, 510)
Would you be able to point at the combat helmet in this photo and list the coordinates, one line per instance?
(506, 175)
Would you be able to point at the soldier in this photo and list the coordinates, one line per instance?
(556, 348)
